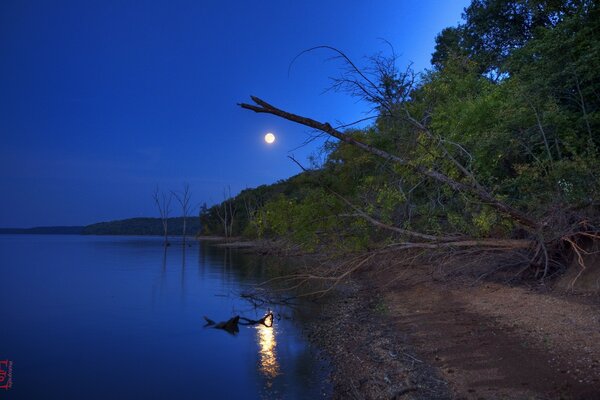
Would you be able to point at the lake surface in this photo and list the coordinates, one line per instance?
(88, 317)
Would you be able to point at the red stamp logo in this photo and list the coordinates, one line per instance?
(5, 374)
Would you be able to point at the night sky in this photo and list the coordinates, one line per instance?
(100, 101)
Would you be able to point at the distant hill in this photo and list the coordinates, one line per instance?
(45, 230)
(131, 226)
(142, 226)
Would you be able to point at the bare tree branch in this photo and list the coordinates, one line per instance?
(163, 203)
(184, 199)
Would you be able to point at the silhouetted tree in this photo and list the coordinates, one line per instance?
(183, 198)
(163, 203)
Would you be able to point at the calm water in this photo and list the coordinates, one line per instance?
(86, 317)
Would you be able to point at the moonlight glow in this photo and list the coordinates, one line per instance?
(269, 138)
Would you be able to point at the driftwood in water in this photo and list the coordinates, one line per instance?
(231, 325)
(267, 320)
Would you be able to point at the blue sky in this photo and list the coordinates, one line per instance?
(100, 101)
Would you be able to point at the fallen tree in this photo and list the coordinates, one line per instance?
(519, 144)
(475, 189)
(545, 243)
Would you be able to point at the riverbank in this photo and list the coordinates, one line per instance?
(370, 360)
(420, 337)
(427, 339)
(258, 246)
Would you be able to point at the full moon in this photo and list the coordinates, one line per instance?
(269, 138)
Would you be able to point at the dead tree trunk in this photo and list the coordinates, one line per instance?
(224, 216)
(232, 211)
(226, 212)
(163, 203)
(183, 199)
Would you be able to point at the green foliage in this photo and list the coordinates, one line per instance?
(513, 101)
(493, 29)
(484, 221)
(307, 221)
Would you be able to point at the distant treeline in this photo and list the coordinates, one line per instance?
(131, 226)
(143, 226)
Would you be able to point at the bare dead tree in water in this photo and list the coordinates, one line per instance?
(163, 203)
(183, 198)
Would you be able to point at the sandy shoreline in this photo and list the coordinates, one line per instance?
(423, 338)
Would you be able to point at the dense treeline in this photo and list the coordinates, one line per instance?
(499, 139)
(130, 226)
(142, 226)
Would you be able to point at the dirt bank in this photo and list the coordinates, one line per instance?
(450, 340)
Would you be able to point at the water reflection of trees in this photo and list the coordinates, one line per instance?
(236, 265)
(183, 270)
(283, 362)
(233, 267)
